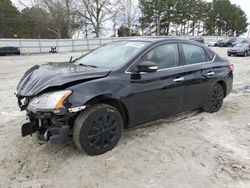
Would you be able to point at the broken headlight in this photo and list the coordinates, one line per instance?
(49, 101)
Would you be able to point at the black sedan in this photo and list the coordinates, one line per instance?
(9, 51)
(120, 86)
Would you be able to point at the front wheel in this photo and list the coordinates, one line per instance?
(215, 99)
(97, 129)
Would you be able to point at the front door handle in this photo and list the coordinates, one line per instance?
(179, 79)
(210, 74)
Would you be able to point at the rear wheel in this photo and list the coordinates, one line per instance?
(215, 99)
(98, 129)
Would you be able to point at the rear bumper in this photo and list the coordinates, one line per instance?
(229, 83)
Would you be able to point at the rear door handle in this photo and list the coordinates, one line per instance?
(210, 74)
(179, 79)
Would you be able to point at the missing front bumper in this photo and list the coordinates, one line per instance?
(50, 126)
(29, 128)
(54, 135)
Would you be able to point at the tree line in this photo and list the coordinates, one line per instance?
(65, 18)
(185, 17)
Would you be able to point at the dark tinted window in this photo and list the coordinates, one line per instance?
(166, 56)
(193, 54)
(210, 55)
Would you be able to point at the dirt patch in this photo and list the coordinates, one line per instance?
(193, 149)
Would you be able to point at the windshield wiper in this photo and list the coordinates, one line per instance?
(88, 65)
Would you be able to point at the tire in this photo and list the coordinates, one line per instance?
(229, 54)
(97, 129)
(215, 99)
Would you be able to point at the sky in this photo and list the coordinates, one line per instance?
(245, 5)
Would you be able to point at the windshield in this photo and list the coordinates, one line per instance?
(239, 45)
(240, 40)
(226, 40)
(112, 55)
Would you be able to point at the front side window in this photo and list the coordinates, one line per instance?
(193, 54)
(165, 56)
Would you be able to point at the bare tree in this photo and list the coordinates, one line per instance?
(96, 12)
(68, 18)
(114, 20)
(128, 13)
(60, 18)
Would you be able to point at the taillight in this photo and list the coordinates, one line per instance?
(231, 66)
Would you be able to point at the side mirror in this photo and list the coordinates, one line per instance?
(147, 66)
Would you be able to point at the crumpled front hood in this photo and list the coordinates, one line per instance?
(41, 77)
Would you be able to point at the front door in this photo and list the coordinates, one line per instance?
(157, 94)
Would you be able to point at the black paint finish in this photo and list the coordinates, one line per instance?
(142, 97)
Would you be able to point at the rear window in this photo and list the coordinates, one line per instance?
(210, 55)
(193, 54)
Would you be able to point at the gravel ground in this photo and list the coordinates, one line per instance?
(193, 149)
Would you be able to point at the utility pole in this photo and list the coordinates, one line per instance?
(86, 25)
(248, 34)
(159, 24)
(158, 27)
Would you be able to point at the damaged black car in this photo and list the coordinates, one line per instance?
(120, 86)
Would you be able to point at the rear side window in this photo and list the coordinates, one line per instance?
(193, 54)
(210, 55)
(166, 56)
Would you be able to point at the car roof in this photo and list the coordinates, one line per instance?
(154, 40)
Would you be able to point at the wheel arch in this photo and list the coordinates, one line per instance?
(224, 85)
(119, 105)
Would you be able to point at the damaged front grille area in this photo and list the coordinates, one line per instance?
(49, 127)
(23, 102)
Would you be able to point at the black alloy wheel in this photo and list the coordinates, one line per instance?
(98, 129)
(215, 99)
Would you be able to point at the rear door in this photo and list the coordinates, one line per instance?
(195, 58)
